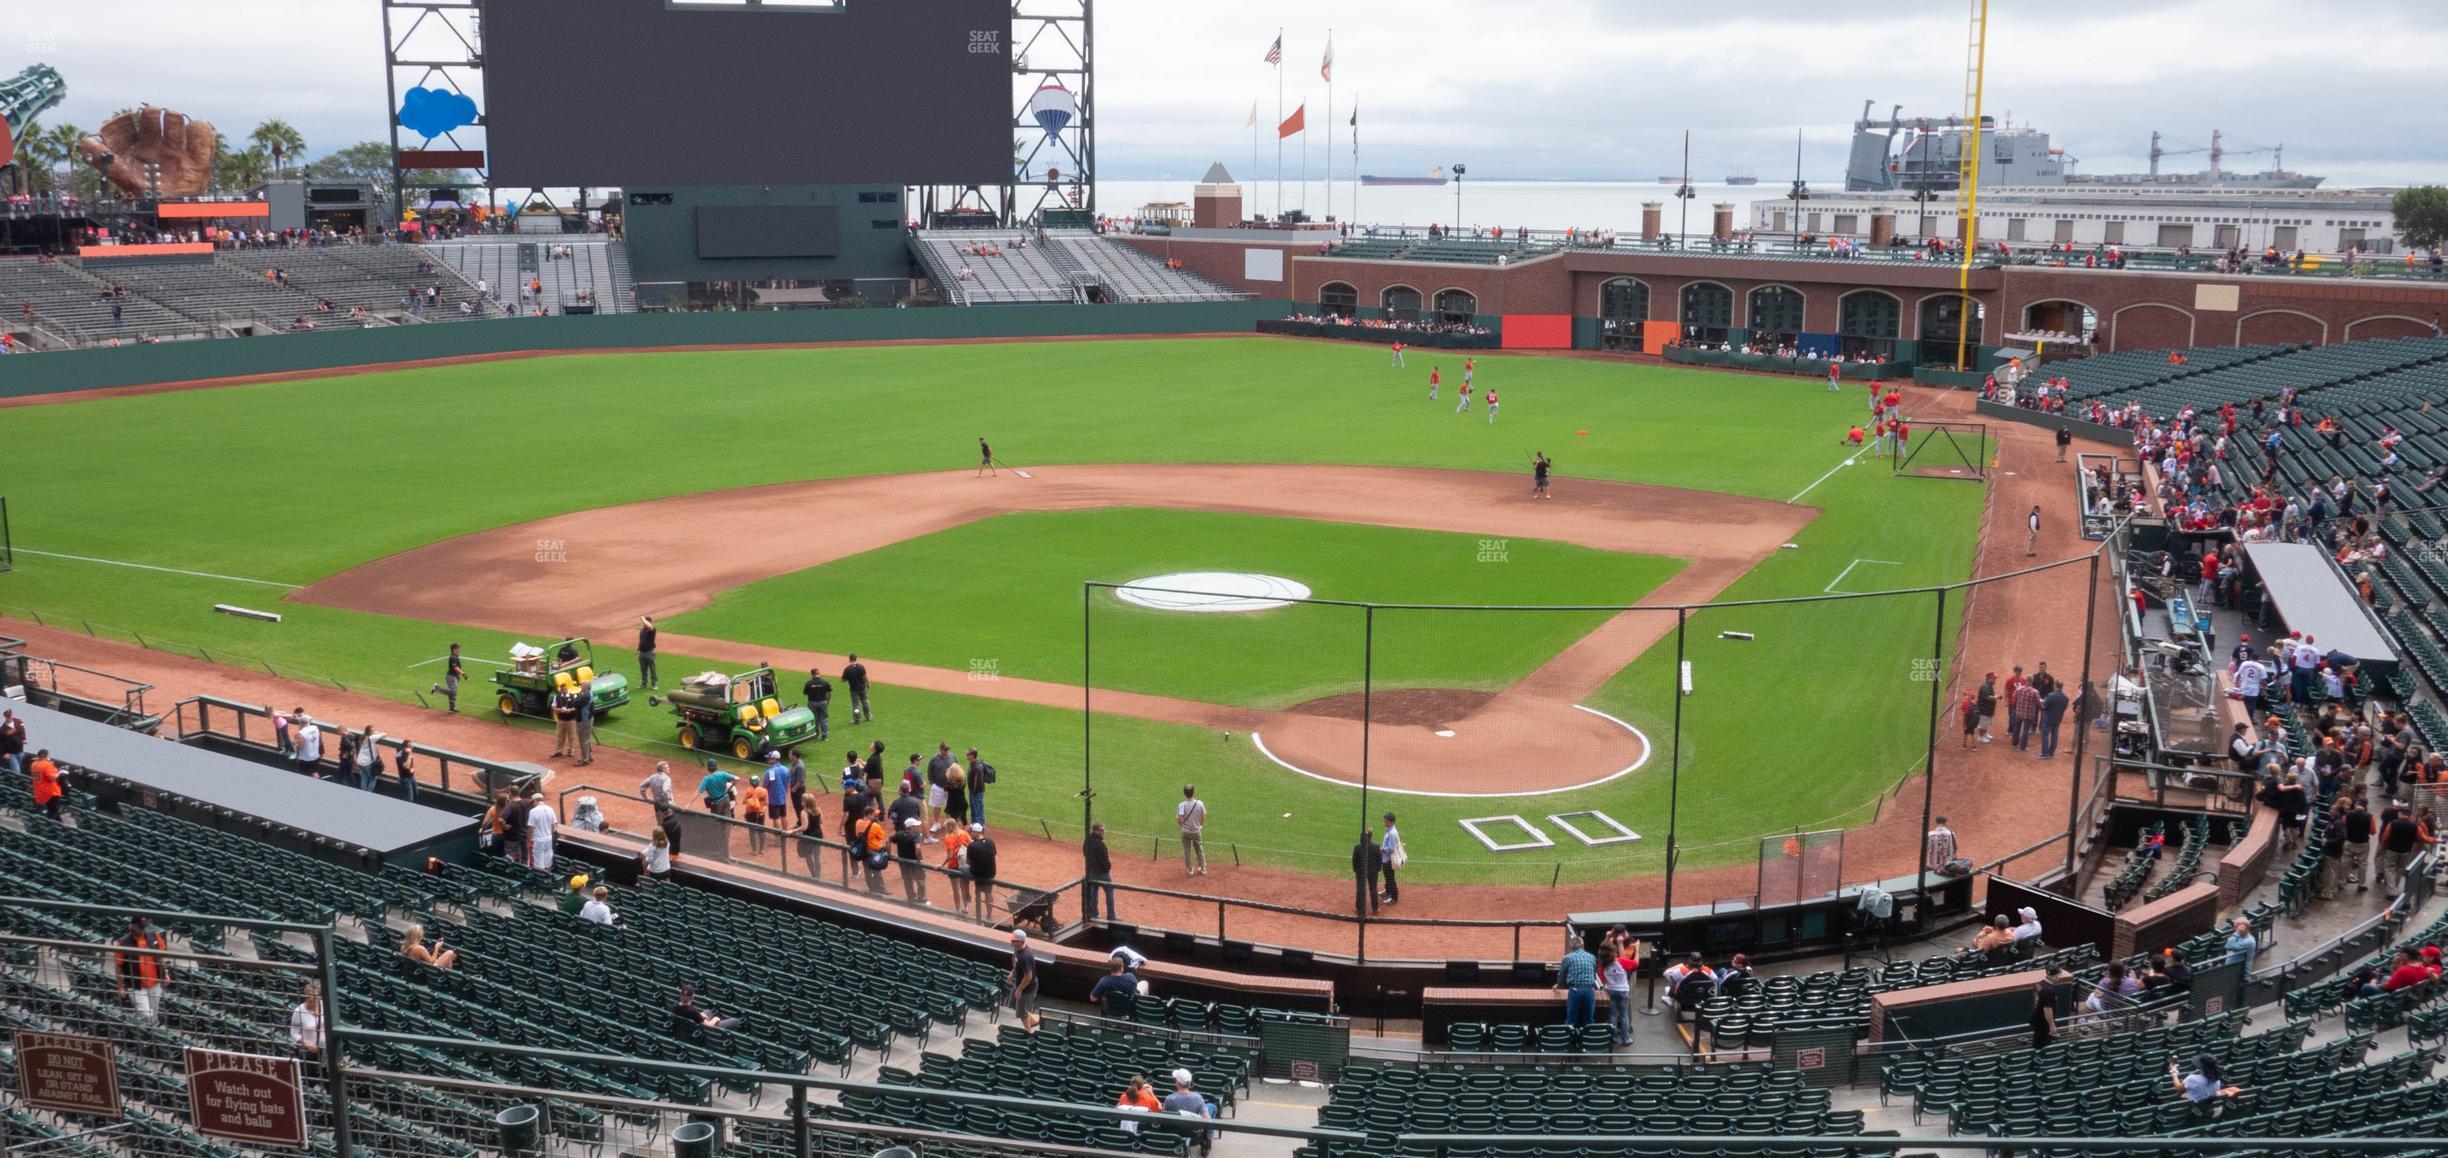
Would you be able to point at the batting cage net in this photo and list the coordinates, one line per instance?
(1945, 450)
(1776, 746)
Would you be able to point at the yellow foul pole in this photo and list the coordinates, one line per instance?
(1967, 197)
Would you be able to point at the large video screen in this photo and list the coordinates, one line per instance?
(631, 93)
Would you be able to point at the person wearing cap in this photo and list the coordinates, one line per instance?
(1022, 981)
(777, 789)
(905, 854)
(819, 693)
(2027, 926)
(982, 869)
(753, 804)
(1188, 1102)
(574, 897)
(956, 866)
(981, 774)
(716, 788)
(309, 741)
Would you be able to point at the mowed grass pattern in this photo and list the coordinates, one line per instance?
(1004, 596)
(297, 480)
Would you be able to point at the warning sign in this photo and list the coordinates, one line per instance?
(246, 1097)
(1304, 1070)
(1810, 1059)
(66, 1074)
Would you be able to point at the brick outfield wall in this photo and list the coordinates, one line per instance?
(2136, 309)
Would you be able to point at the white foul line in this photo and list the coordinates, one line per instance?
(1830, 589)
(163, 570)
(1823, 478)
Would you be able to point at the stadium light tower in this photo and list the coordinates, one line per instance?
(1458, 169)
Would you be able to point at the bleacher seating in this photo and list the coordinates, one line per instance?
(65, 296)
(1132, 276)
(618, 984)
(1064, 1062)
(1532, 1099)
(1012, 268)
(596, 264)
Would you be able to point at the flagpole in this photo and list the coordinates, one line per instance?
(1279, 89)
(1329, 70)
(1253, 169)
(1355, 127)
(1304, 135)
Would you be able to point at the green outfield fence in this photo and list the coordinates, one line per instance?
(97, 368)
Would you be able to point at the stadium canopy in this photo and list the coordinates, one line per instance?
(2312, 596)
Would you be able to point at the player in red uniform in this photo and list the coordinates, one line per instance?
(1433, 379)
(1468, 365)
(1398, 349)
(1465, 399)
(1491, 406)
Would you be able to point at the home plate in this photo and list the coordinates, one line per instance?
(1445, 732)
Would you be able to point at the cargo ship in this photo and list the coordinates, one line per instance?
(1745, 177)
(1434, 177)
(1908, 153)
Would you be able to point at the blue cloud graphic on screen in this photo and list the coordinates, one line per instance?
(431, 112)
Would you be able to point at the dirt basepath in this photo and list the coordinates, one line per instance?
(672, 555)
(1997, 800)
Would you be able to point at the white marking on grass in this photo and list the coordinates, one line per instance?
(1647, 749)
(1823, 478)
(1830, 589)
(163, 570)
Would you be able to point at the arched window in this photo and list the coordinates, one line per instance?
(1943, 317)
(1455, 307)
(2061, 317)
(1776, 316)
(1337, 299)
(1623, 305)
(1400, 302)
(1867, 323)
(1708, 312)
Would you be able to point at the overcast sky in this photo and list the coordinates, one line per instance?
(1514, 88)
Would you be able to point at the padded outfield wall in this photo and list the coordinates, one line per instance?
(87, 369)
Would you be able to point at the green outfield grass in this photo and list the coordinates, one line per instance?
(1004, 595)
(289, 482)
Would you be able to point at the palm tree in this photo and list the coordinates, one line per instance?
(54, 149)
(280, 141)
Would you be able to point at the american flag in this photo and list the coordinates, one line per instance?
(1275, 54)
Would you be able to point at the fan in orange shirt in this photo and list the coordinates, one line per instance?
(956, 847)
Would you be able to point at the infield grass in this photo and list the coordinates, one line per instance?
(1003, 596)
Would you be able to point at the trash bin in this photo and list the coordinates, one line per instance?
(693, 1140)
(522, 1129)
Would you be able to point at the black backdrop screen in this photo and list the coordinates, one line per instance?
(768, 231)
(652, 92)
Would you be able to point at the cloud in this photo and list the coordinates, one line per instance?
(1515, 88)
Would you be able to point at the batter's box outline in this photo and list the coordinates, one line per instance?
(1537, 839)
(1618, 835)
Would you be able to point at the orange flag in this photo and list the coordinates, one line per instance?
(1294, 123)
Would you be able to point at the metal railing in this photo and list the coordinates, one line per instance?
(836, 866)
(249, 726)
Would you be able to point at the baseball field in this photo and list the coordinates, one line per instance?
(792, 506)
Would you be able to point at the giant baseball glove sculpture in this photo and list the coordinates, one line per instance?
(179, 145)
